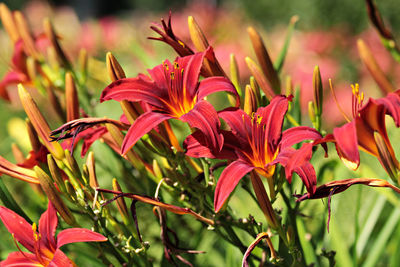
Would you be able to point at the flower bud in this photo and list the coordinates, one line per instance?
(386, 158)
(90, 163)
(71, 98)
(51, 35)
(235, 77)
(373, 67)
(54, 197)
(83, 63)
(256, 89)
(196, 34)
(318, 91)
(311, 112)
(289, 86)
(26, 35)
(157, 170)
(260, 78)
(121, 205)
(8, 22)
(250, 101)
(73, 166)
(115, 70)
(264, 60)
(54, 101)
(55, 172)
(39, 122)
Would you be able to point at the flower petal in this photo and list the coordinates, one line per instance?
(142, 125)
(272, 116)
(60, 260)
(74, 235)
(347, 144)
(18, 259)
(238, 121)
(196, 146)
(204, 117)
(47, 226)
(158, 74)
(228, 180)
(136, 89)
(191, 66)
(19, 227)
(298, 161)
(392, 105)
(216, 84)
(297, 134)
(12, 77)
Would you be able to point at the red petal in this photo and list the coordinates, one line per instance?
(347, 144)
(48, 225)
(142, 125)
(12, 77)
(196, 146)
(238, 121)
(60, 260)
(74, 235)
(204, 117)
(89, 136)
(297, 134)
(158, 74)
(17, 225)
(135, 89)
(228, 180)
(17, 259)
(298, 161)
(192, 66)
(216, 84)
(392, 104)
(272, 116)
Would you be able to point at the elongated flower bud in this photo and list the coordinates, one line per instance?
(83, 63)
(55, 172)
(157, 170)
(71, 98)
(264, 59)
(26, 35)
(196, 34)
(39, 122)
(250, 101)
(54, 101)
(54, 197)
(114, 69)
(388, 161)
(256, 89)
(311, 111)
(51, 35)
(318, 91)
(121, 205)
(373, 67)
(235, 77)
(289, 86)
(8, 22)
(90, 163)
(260, 78)
(73, 166)
(201, 43)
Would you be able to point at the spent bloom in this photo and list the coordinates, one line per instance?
(172, 91)
(43, 246)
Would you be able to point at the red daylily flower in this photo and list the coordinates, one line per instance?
(173, 92)
(259, 144)
(44, 247)
(368, 121)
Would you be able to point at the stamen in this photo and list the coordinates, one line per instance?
(176, 65)
(172, 74)
(336, 101)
